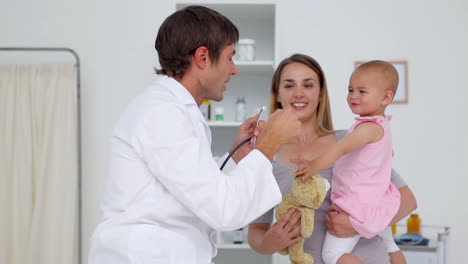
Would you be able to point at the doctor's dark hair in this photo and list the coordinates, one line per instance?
(324, 119)
(183, 32)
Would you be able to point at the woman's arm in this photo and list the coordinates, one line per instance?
(270, 238)
(407, 205)
(256, 236)
(338, 223)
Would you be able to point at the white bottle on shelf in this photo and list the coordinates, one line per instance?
(219, 237)
(246, 49)
(219, 114)
(241, 109)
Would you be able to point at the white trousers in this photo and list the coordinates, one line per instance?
(334, 247)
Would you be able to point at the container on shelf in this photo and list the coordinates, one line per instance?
(394, 229)
(241, 109)
(219, 114)
(245, 49)
(238, 236)
(219, 237)
(413, 224)
(205, 108)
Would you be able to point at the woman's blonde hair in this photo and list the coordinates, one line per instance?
(324, 120)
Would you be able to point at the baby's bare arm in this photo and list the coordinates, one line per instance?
(363, 134)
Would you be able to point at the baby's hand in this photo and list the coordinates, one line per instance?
(304, 168)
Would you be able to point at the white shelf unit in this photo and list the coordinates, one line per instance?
(246, 67)
(436, 252)
(259, 63)
(254, 21)
(233, 246)
(230, 253)
(214, 124)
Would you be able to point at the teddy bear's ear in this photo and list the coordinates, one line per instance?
(321, 190)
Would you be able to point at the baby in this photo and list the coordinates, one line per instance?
(363, 161)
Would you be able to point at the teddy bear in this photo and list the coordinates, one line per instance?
(305, 196)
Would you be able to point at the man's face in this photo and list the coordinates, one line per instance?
(217, 75)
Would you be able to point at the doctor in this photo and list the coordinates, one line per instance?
(165, 195)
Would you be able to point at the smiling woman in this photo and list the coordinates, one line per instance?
(299, 81)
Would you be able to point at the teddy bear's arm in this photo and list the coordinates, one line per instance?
(307, 221)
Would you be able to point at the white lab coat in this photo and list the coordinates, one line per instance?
(164, 193)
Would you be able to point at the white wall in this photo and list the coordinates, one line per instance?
(115, 42)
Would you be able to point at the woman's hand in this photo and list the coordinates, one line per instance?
(280, 235)
(338, 222)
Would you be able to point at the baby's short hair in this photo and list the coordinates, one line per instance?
(387, 70)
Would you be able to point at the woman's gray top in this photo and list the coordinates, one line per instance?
(370, 251)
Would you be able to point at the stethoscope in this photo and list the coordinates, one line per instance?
(246, 140)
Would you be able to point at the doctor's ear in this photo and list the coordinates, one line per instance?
(201, 57)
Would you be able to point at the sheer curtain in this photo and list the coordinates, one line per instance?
(38, 164)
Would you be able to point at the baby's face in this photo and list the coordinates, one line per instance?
(366, 92)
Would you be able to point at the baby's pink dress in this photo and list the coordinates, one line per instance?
(361, 182)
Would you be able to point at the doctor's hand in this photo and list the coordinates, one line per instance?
(282, 127)
(284, 233)
(338, 222)
(246, 130)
